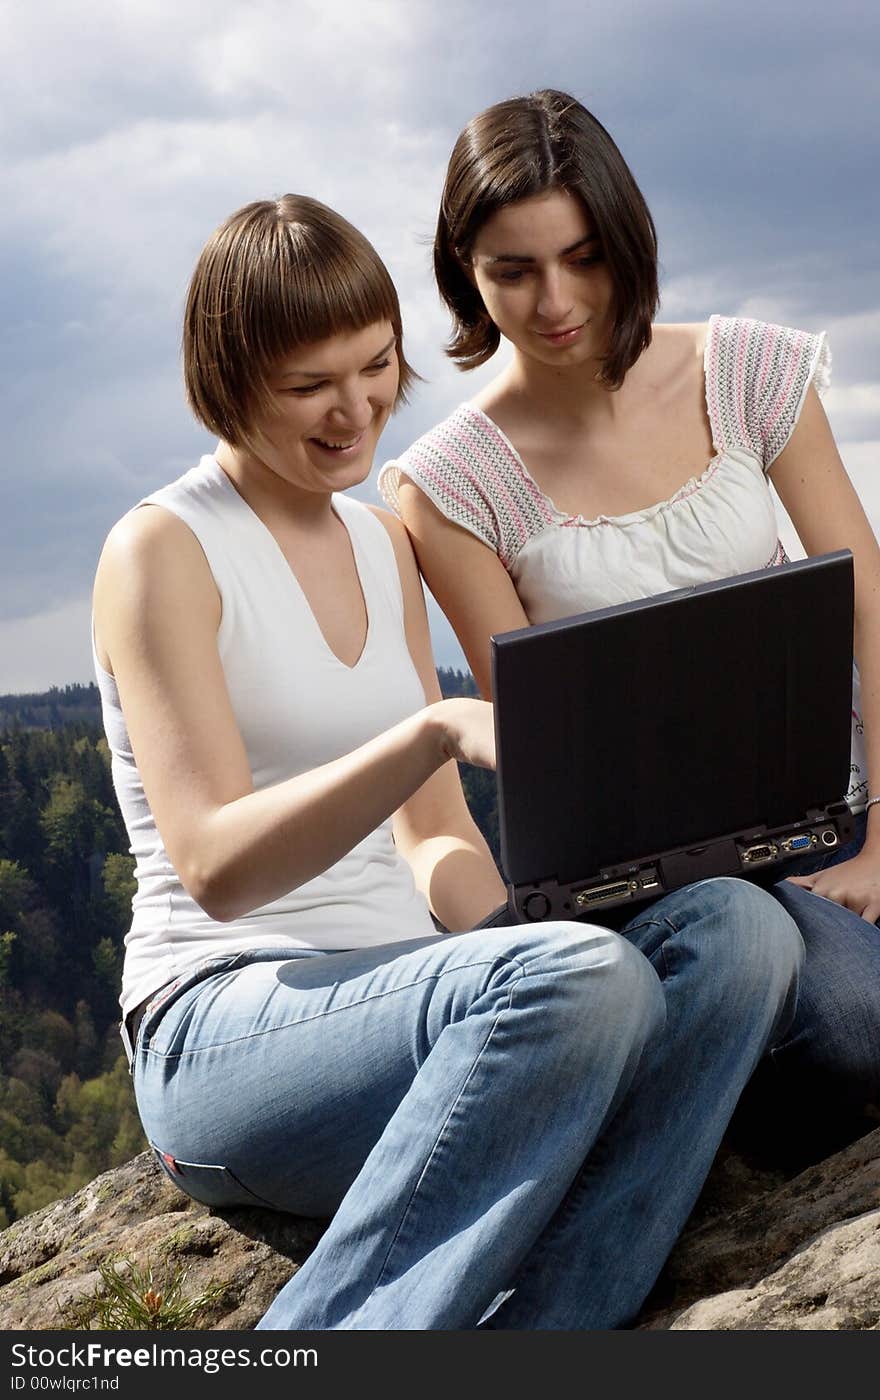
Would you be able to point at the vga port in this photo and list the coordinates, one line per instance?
(794, 844)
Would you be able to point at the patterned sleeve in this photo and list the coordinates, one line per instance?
(470, 472)
(757, 377)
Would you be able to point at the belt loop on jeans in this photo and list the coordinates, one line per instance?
(129, 1027)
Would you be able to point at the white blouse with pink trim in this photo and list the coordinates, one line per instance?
(719, 523)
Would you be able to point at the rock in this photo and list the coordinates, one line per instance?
(759, 1252)
(49, 1260)
(831, 1284)
(805, 1253)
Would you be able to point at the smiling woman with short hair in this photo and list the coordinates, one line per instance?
(302, 1037)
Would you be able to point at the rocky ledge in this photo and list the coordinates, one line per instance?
(760, 1252)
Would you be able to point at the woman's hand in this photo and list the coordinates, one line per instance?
(854, 883)
(468, 731)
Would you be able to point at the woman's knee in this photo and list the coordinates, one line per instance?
(589, 971)
(746, 950)
(762, 938)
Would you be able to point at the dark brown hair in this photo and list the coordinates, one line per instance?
(277, 275)
(524, 147)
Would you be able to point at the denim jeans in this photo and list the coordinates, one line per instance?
(508, 1127)
(807, 1097)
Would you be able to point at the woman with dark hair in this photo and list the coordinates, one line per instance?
(616, 458)
(515, 1111)
(527, 148)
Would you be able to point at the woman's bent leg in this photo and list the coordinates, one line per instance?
(728, 957)
(808, 1097)
(834, 1039)
(439, 1096)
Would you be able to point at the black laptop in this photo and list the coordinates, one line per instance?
(697, 733)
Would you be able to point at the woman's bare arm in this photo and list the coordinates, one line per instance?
(828, 515)
(434, 829)
(467, 578)
(156, 617)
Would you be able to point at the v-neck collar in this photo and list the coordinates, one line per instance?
(340, 507)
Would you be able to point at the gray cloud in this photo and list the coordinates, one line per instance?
(131, 130)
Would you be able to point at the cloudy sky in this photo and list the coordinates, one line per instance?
(131, 128)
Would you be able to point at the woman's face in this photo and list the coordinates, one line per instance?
(539, 267)
(332, 400)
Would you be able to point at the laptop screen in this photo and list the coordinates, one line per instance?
(638, 729)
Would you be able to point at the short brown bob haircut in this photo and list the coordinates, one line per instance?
(277, 275)
(527, 146)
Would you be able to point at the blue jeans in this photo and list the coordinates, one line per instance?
(509, 1127)
(806, 1097)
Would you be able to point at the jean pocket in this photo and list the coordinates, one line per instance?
(208, 1184)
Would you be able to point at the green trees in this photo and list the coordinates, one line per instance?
(117, 877)
(66, 1107)
(67, 1110)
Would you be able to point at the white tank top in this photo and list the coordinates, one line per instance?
(297, 706)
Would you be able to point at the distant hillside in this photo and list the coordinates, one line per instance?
(51, 709)
(79, 707)
(454, 683)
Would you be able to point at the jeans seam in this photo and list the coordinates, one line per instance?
(406, 1209)
(331, 1010)
(543, 1249)
(670, 922)
(442, 1131)
(646, 923)
(661, 947)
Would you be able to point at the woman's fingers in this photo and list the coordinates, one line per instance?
(855, 884)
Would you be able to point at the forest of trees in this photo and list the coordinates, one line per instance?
(66, 1106)
(67, 1110)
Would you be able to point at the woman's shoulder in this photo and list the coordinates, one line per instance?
(159, 540)
(157, 523)
(673, 361)
(757, 377)
(149, 562)
(721, 334)
(767, 346)
(399, 539)
(147, 533)
(390, 523)
(148, 553)
(468, 471)
(388, 528)
(679, 338)
(458, 430)
(445, 462)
